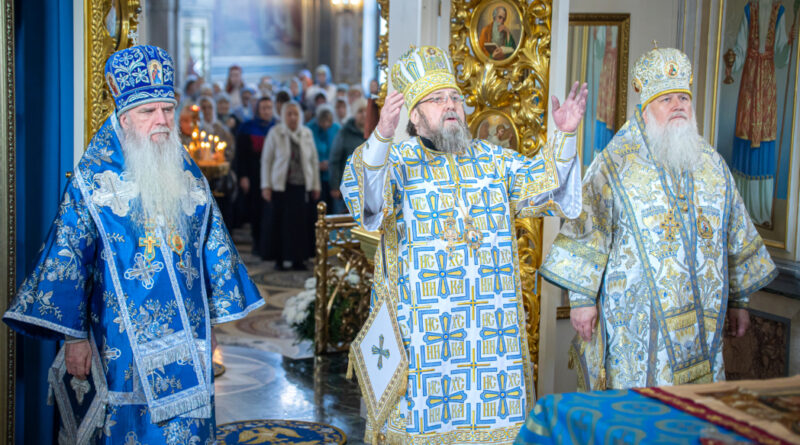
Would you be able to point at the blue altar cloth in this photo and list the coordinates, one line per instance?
(618, 417)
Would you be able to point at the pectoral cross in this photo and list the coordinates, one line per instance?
(450, 233)
(670, 226)
(380, 352)
(149, 242)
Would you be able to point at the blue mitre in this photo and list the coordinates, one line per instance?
(140, 74)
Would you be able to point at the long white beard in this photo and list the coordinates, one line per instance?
(498, 38)
(157, 170)
(451, 138)
(676, 145)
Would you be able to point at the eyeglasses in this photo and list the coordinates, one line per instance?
(441, 100)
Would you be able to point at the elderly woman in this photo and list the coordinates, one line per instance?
(211, 124)
(225, 187)
(349, 138)
(224, 113)
(289, 181)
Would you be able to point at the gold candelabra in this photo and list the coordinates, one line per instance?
(205, 148)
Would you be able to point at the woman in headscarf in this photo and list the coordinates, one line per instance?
(347, 140)
(249, 143)
(224, 187)
(289, 181)
(324, 130)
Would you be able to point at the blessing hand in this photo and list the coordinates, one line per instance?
(568, 115)
(390, 115)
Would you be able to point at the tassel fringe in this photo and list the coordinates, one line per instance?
(349, 375)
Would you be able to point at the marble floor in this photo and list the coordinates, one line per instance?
(269, 374)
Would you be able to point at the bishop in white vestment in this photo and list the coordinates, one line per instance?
(663, 249)
(448, 261)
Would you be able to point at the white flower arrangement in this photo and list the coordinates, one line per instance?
(297, 307)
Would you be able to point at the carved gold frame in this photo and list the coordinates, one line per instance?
(382, 55)
(475, 32)
(7, 222)
(518, 87)
(98, 46)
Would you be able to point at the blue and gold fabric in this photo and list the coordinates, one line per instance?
(662, 255)
(147, 293)
(662, 71)
(622, 416)
(138, 75)
(420, 71)
(279, 432)
(448, 264)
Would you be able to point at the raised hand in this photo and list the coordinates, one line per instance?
(390, 114)
(568, 115)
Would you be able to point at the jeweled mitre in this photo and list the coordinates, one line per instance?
(140, 74)
(421, 71)
(662, 71)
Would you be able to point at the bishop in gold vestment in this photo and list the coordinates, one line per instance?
(663, 248)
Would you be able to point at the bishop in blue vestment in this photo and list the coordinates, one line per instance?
(138, 261)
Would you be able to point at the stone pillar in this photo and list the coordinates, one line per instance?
(552, 350)
(161, 17)
(418, 23)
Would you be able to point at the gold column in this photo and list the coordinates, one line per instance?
(98, 46)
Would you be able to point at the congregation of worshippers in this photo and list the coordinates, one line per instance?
(329, 119)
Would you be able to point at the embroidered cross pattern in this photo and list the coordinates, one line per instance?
(434, 214)
(380, 352)
(510, 331)
(446, 398)
(442, 274)
(446, 336)
(502, 395)
(111, 191)
(185, 267)
(143, 270)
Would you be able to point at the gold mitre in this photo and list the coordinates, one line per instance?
(662, 71)
(421, 71)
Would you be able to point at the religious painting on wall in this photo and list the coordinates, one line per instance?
(756, 91)
(258, 28)
(264, 37)
(497, 28)
(495, 127)
(598, 55)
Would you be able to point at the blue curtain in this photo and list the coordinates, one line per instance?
(44, 119)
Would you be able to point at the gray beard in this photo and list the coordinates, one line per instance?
(498, 38)
(156, 168)
(676, 145)
(450, 139)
